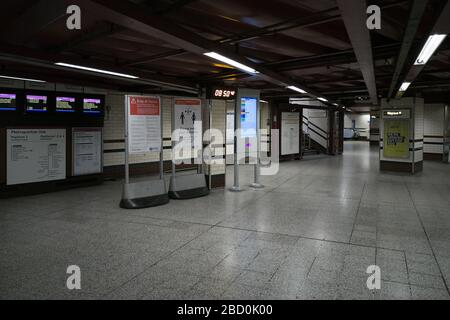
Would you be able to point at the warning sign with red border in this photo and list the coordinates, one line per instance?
(144, 124)
(144, 106)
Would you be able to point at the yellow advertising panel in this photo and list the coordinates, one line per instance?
(396, 139)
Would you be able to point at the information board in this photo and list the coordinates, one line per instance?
(290, 133)
(87, 151)
(248, 117)
(35, 155)
(144, 124)
(188, 116)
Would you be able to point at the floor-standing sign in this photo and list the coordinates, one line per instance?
(187, 118)
(143, 133)
(247, 124)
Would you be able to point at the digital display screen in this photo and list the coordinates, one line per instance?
(36, 103)
(65, 104)
(223, 93)
(248, 117)
(8, 102)
(92, 106)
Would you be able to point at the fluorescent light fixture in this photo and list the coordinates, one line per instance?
(335, 104)
(230, 62)
(433, 42)
(263, 101)
(404, 86)
(322, 99)
(296, 89)
(74, 66)
(23, 79)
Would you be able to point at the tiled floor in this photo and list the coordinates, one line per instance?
(310, 234)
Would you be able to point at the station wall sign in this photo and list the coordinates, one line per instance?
(87, 144)
(35, 155)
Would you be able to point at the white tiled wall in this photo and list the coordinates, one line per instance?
(434, 128)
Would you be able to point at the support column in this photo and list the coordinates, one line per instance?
(375, 128)
(401, 135)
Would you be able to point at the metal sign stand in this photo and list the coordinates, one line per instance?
(143, 194)
(257, 170)
(237, 128)
(186, 186)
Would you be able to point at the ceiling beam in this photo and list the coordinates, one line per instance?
(35, 19)
(33, 57)
(101, 30)
(133, 17)
(312, 20)
(339, 57)
(415, 17)
(355, 16)
(155, 57)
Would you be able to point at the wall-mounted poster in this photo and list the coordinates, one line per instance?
(188, 116)
(35, 155)
(290, 133)
(396, 139)
(248, 117)
(144, 124)
(87, 151)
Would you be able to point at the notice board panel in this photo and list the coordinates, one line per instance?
(144, 123)
(87, 145)
(290, 133)
(35, 155)
(188, 116)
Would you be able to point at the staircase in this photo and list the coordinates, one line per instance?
(314, 134)
(310, 147)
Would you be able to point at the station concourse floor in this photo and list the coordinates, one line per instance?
(310, 234)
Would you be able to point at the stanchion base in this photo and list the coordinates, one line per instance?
(189, 194)
(147, 202)
(144, 194)
(188, 186)
(256, 186)
(235, 189)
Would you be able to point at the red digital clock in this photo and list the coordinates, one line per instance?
(223, 93)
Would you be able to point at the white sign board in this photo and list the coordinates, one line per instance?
(230, 128)
(144, 124)
(188, 116)
(35, 155)
(87, 152)
(290, 133)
